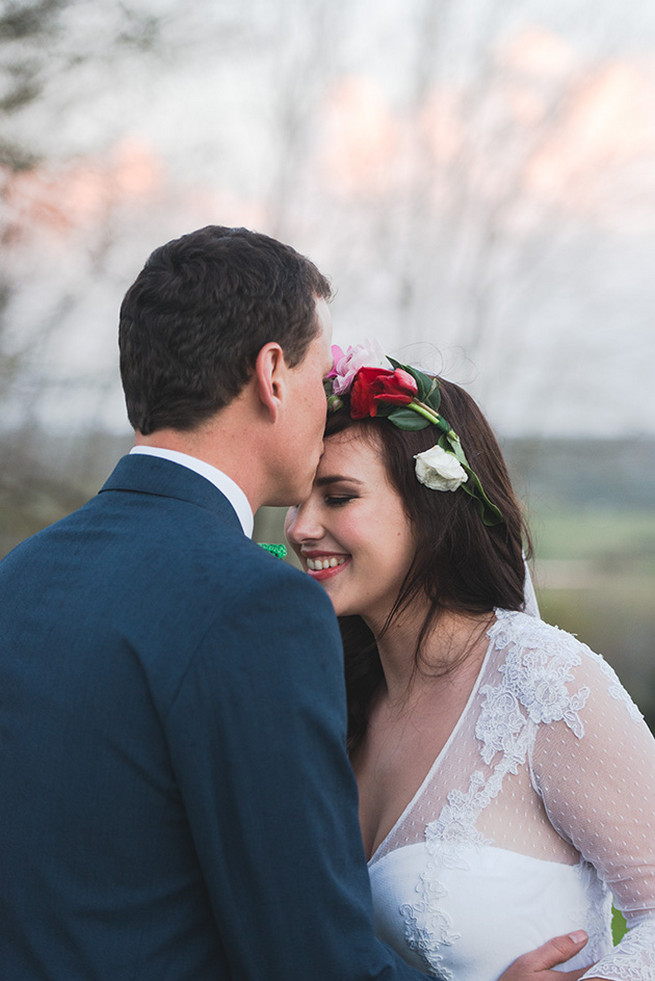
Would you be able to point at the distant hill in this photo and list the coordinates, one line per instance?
(614, 472)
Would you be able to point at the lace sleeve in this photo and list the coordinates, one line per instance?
(597, 781)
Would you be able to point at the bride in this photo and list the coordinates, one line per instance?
(506, 779)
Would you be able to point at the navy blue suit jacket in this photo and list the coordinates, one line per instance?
(176, 802)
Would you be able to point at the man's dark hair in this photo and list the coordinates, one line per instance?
(460, 564)
(199, 312)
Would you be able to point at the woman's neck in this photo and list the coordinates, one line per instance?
(453, 649)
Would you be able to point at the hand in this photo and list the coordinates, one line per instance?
(536, 966)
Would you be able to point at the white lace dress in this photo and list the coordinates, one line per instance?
(540, 807)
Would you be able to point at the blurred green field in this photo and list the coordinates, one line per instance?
(618, 926)
(608, 536)
(595, 576)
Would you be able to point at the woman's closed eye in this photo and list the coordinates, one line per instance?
(337, 489)
(338, 500)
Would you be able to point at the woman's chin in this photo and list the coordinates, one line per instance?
(336, 605)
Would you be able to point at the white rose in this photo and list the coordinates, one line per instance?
(439, 470)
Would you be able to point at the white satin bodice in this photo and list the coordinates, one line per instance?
(488, 910)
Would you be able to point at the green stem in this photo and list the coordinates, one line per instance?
(424, 410)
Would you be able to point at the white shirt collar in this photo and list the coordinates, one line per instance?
(225, 484)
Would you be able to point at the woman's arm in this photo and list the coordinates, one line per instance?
(598, 786)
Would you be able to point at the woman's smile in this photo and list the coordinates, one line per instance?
(324, 565)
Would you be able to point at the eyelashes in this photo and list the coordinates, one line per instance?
(338, 500)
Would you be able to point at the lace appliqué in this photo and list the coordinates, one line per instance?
(546, 674)
(427, 925)
(599, 913)
(455, 826)
(428, 928)
(632, 960)
(537, 668)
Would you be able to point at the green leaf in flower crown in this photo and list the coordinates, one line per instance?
(428, 388)
(433, 393)
(450, 441)
(407, 419)
(489, 513)
(433, 399)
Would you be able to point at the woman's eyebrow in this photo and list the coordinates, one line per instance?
(335, 479)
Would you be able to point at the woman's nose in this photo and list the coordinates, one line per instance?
(302, 524)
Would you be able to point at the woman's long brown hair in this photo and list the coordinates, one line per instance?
(460, 564)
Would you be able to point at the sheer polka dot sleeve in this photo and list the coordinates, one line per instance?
(596, 776)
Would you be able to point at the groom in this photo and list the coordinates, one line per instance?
(176, 799)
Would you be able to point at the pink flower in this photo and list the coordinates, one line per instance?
(346, 366)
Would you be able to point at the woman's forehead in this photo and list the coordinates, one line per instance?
(353, 448)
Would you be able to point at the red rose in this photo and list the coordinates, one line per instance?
(373, 386)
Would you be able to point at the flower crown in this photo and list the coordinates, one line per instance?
(410, 400)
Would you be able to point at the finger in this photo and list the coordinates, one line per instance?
(550, 954)
(557, 950)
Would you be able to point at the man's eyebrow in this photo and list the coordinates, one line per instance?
(335, 479)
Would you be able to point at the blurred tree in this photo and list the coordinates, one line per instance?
(485, 208)
(302, 57)
(39, 51)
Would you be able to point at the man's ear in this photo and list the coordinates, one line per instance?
(270, 378)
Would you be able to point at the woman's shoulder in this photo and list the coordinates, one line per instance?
(551, 672)
(522, 638)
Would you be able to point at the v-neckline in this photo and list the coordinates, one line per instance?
(442, 752)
